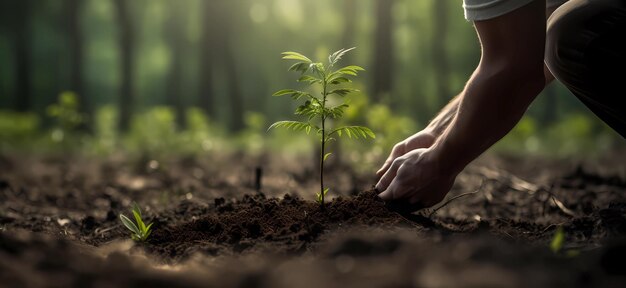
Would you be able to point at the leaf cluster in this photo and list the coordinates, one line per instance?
(315, 107)
(140, 231)
(66, 111)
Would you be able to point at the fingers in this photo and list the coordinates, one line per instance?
(398, 188)
(397, 151)
(394, 191)
(383, 169)
(403, 181)
(389, 175)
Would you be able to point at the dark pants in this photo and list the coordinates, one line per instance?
(586, 51)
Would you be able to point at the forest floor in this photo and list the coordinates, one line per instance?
(60, 227)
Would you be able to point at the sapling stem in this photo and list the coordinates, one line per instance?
(315, 107)
(323, 145)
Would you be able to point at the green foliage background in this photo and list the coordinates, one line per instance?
(256, 31)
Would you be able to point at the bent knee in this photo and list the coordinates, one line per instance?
(563, 41)
(572, 29)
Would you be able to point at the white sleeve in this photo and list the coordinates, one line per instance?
(476, 10)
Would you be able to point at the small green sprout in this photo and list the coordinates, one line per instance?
(140, 231)
(317, 109)
(557, 240)
(320, 196)
(557, 243)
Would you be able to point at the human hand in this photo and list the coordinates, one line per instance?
(422, 139)
(416, 178)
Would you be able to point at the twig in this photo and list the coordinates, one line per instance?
(99, 231)
(456, 197)
(514, 181)
(552, 225)
(561, 206)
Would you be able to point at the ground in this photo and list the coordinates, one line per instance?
(214, 227)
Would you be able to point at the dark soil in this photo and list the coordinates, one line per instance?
(59, 226)
(289, 224)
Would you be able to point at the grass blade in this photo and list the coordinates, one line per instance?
(129, 224)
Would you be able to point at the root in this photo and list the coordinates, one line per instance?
(482, 183)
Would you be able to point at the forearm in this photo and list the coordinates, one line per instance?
(443, 119)
(439, 124)
(508, 78)
(490, 106)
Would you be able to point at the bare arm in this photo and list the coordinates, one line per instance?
(507, 79)
(439, 124)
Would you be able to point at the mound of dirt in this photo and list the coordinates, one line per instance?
(289, 223)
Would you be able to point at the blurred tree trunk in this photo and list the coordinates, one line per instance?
(126, 42)
(347, 39)
(217, 49)
(440, 60)
(236, 98)
(22, 48)
(175, 37)
(383, 51)
(75, 45)
(205, 91)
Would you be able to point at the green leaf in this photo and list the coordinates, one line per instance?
(319, 69)
(335, 57)
(135, 207)
(310, 79)
(284, 92)
(140, 224)
(299, 94)
(339, 80)
(343, 91)
(356, 131)
(300, 66)
(145, 236)
(326, 156)
(557, 241)
(310, 109)
(337, 111)
(295, 56)
(348, 72)
(295, 94)
(293, 125)
(129, 224)
(352, 68)
(319, 195)
(147, 231)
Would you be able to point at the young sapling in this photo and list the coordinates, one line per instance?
(317, 108)
(140, 231)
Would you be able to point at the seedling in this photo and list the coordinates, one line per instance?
(317, 109)
(557, 240)
(140, 231)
